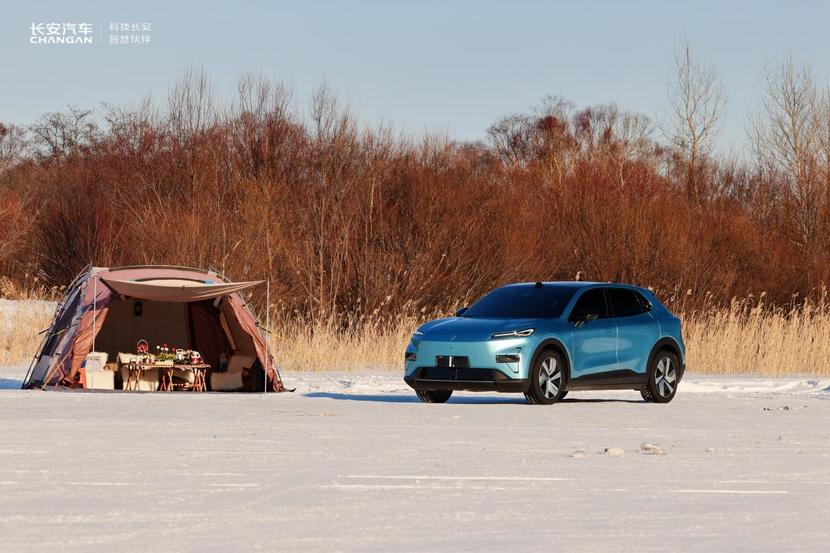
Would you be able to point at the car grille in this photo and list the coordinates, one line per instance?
(466, 374)
(452, 361)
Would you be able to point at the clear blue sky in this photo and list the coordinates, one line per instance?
(451, 67)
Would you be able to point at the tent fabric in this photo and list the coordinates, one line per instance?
(93, 310)
(94, 296)
(178, 290)
(209, 336)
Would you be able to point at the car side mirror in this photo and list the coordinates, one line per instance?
(582, 318)
(460, 312)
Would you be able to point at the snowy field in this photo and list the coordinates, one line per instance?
(354, 462)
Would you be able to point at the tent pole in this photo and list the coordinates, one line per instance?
(267, 329)
(94, 316)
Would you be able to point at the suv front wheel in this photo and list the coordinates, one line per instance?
(437, 396)
(547, 379)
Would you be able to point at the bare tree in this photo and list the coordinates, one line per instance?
(786, 137)
(16, 212)
(191, 104)
(696, 101)
(12, 144)
(510, 138)
(822, 122)
(261, 123)
(608, 131)
(64, 133)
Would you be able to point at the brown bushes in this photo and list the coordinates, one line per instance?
(346, 219)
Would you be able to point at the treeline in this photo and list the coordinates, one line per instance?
(346, 218)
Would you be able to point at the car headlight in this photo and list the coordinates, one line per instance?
(513, 333)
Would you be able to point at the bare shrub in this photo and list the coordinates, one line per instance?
(364, 231)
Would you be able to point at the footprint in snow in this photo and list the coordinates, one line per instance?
(651, 449)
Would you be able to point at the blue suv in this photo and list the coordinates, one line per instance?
(545, 339)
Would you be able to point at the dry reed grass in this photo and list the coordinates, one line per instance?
(744, 338)
(747, 339)
(324, 347)
(20, 325)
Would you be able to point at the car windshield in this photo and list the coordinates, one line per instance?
(523, 302)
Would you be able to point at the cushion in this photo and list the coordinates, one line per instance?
(226, 381)
(127, 357)
(238, 362)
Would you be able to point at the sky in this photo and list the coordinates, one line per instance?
(451, 67)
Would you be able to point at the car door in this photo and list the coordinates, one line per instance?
(594, 341)
(637, 329)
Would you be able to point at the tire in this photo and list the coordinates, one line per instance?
(663, 377)
(547, 379)
(438, 396)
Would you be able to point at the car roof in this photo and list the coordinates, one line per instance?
(578, 284)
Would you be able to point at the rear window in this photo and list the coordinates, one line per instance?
(625, 302)
(523, 302)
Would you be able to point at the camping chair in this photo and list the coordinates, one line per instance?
(231, 379)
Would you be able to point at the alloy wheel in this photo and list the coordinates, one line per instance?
(550, 377)
(665, 377)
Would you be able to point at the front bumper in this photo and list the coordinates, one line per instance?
(475, 380)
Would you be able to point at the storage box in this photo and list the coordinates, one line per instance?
(100, 380)
(96, 361)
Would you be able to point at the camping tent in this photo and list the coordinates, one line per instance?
(114, 308)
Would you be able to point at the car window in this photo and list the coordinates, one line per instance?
(591, 301)
(625, 302)
(523, 302)
(645, 303)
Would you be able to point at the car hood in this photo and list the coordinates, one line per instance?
(466, 329)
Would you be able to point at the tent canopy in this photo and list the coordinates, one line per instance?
(176, 289)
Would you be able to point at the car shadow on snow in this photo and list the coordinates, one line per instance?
(601, 400)
(10, 384)
(466, 399)
(397, 398)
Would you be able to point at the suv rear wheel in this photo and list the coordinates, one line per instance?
(663, 374)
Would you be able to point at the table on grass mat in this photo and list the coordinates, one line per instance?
(165, 371)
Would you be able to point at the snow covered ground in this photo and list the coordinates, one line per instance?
(354, 462)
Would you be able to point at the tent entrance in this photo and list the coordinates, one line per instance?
(128, 321)
(192, 325)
